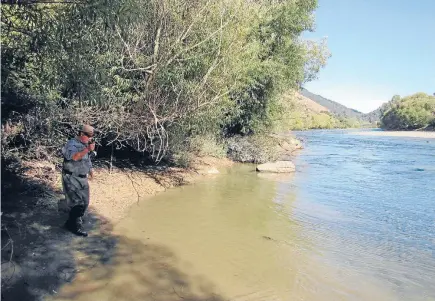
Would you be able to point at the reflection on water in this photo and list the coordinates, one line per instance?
(354, 223)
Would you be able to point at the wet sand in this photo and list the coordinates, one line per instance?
(411, 134)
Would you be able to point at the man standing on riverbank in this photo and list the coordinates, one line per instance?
(77, 167)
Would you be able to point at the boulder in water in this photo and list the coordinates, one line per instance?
(278, 167)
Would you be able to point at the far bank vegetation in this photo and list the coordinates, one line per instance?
(414, 112)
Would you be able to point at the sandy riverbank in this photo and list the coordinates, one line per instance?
(113, 192)
(38, 255)
(411, 134)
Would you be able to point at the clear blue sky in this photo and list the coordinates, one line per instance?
(379, 48)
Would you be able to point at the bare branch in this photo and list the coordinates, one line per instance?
(197, 44)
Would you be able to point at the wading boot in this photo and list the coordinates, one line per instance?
(81, 232)
(79, 227)
(76, 228)
(74, 225)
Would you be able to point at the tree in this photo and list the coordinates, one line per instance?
(409, 113)
(150, 73)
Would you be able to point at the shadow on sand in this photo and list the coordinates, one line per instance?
(42, 261)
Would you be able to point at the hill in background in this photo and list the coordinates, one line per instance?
(304, 113)
(309, 104)
(342, 111)
(374, 116)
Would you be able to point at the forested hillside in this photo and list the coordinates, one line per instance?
(150, 74)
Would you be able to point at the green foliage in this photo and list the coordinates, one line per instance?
(279, 61)
(151, 74)
(293, 115)
(206, 145)
(258, 148)
(409, 113)
(184, 153)
(320, 121)
(374, 117)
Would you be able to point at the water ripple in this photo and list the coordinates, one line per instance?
(370, 203)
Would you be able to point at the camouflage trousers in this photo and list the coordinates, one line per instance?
(76, 192)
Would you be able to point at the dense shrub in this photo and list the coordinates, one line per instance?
(149, 74)
(413, 112)
(183, 154)
(253, 149)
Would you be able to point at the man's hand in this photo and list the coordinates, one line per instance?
(91, 147)
(79, 155)
(91, 174)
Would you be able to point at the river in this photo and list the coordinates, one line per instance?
(355, 222)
